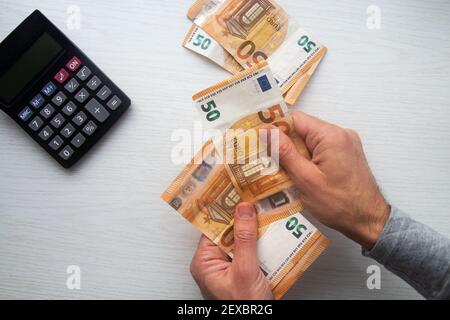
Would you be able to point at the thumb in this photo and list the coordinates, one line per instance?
(300, 169)
(245, 236)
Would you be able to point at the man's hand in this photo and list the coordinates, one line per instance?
(217, 277)
(336, 186)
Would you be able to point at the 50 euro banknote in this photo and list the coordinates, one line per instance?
(198, 41)
(207, 192)
(255, 30)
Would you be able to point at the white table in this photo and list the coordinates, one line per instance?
(392, 85)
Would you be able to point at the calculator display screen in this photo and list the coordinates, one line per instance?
(39, 55)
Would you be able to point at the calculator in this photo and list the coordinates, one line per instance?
(55, 92)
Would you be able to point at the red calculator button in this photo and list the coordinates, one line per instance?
(73, 64)
(62, 76)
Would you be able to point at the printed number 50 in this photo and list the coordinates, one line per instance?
(203, 42)
(212, 113)
(306, 44)
(293, 224)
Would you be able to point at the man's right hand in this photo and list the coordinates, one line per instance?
(336, 185)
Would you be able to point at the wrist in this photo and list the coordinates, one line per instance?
(377, 217)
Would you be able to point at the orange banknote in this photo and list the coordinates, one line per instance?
(208, 189)
(255, 30)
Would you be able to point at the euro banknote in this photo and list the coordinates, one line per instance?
(255, 30)
(198, 41)
(207, 191)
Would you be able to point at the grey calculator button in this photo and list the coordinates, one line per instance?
(67, 131)
(66, 153)
(59, 99)
(78, 140)
(58, 121)
(47, 111)
(80, 118)
(84, 73)
(82, 95)
(90, 128)
(36, 123)
(104, 93)
(114, 103)
(72, 85)
(56, 143)
(94, 83)
(97, 110)
(69, 108)
(46, 133)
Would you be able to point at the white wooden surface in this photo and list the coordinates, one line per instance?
(392, 85)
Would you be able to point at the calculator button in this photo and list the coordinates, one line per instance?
(68, 131)
(82, 95)
(56, 143)
(90, 128)
(45, 133)
(25, 114)
(72, 85)
(84, 73)
(78, 140)
(94, 83)
(36, 123)
(80, 118)
(104, 93)
(61, 76)
(69, 108)
(47, 111)
(59, 99)
(97, 110)
(66, 153)
(114, 103)
(37, 101)
(49, 89)
(58, 121)
(73, 64)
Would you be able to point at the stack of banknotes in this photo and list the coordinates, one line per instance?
(237, 34)
(228, 169)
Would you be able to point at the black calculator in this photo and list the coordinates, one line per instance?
(55, 92)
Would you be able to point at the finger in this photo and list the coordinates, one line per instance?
(207, 254)
(307, 126)
(300, 169)
(245, 237)
(205, 245)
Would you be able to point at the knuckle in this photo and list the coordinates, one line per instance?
(286, 148)
(245, 235)
(194, 268)
(353, 134)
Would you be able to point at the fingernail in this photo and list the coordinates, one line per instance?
(245, 211)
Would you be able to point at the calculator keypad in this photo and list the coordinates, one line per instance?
(68, 131)
(47, 111)
(36, 123)
(61, 76)
(58, 121)
(97, 110)
(84, 73)
(80, 118)
(49, 89)
(66, 153)
(90, 128)
(82, 96)
(69, 108)
(72, 85)
(46, 133)
(56, 143)
(94, 83)
(59, 98)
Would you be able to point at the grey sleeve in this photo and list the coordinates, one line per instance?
(416, 253)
